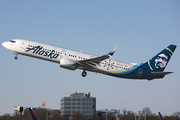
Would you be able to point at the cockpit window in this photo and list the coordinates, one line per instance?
(12, 41)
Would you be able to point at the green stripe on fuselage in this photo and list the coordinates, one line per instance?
(121, 70)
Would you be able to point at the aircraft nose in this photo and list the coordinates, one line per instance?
(4, 44)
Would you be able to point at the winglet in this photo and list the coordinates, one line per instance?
(112, 51)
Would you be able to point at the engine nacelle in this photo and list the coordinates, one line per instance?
(67, 64)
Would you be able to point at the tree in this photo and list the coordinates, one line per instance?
(9, 117)
(5, 117)
(109, 116)
(124, 111)
(146, 111)
(140, 115)
(130, 115)
(176, 115)
(99, 115)
(56, 116)
(78, 116)
(40, 113)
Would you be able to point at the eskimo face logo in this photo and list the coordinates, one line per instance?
(161, 61)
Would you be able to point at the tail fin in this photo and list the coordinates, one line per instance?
(160, 116)
(32, 115)
(160, 61)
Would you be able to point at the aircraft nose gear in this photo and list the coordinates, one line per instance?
(84, 73)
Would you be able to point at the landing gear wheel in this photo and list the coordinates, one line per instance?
(16, 58)
(84, 73)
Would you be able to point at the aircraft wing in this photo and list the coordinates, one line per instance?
(95, 61)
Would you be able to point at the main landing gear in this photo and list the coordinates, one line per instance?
(16, 57)
(84, 73)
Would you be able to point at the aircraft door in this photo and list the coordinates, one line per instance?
(140, 71)
(22, 46)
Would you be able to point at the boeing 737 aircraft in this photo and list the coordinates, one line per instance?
(72, 60)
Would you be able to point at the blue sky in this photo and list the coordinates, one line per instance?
(141, 29)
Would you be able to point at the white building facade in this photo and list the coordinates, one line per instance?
(78, 102)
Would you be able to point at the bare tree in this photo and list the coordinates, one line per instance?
(139, 115)
(78, 116)
(124, 111)
(126, 115)
(147, 111)
(109, 116)
(56, 116)
(40, 113)
(176, 115)
(5, 117)
(27, 116)
(99, 115)
(130, 115)
(9, 117)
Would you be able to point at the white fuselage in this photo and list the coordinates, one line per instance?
(55, 54)
(70, 59)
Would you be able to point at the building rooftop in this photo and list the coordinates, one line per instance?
(78, 94)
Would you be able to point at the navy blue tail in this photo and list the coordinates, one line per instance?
(160, 61)
(160, 116)
(32, 114)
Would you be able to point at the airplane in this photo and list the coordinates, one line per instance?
(160, 116)
(32, 114)
(105, 64)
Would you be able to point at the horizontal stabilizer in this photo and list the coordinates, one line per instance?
(161, 73)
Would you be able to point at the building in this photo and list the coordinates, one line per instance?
(78, 102)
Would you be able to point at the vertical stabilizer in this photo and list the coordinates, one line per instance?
(32, 114)
(160, 61)
(160, 116)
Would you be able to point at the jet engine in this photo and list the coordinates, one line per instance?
(67, 64)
